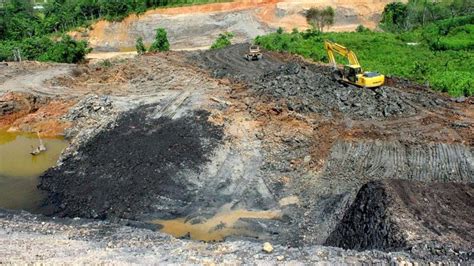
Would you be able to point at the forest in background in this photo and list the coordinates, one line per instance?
(39, 34)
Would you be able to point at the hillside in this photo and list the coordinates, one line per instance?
(197, 26)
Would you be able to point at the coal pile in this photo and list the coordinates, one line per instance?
(125, 171)
(428, 219)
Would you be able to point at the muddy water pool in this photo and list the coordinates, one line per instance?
(19, 170)
(224, 224)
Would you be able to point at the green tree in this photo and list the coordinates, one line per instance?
(320, 18)
(394, 16)
(160, 44)
(66, 50)
(223, 40)
(140, 46)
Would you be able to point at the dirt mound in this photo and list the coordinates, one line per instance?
(125, 171)
(401, 214)
(309, 88)
(229, 62)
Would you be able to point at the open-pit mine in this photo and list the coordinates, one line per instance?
(226, 154)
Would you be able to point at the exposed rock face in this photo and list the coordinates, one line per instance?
(402, 214)
(198, 26)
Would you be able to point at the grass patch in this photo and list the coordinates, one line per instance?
(404, 55)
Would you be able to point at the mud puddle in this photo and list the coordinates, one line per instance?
(19, 170)
(217, 228)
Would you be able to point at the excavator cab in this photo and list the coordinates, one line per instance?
(353, 72)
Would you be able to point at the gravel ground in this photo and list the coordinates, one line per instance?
(28, 238)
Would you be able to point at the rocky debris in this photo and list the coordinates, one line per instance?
(64, 240)
(309, 88)
(92, 107)
(89, 116)
(13, 102)
(8, 107)
(267, 247)
(125, 171)
(434, 219)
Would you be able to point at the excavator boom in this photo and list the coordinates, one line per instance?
(332, 47)
(352, 73)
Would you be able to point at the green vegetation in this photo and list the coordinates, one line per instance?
(398, 16)
(424, 43)
(389, 53)
(160, 44)
(139, 46)
(38, 34)
(320, 18)
(223, 40)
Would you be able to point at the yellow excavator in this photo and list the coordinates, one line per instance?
(352, 73)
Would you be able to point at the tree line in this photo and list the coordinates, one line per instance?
(398, 16)
(37, 34)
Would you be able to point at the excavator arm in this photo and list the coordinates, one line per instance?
(332, 47)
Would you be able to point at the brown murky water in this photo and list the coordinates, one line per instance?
(19, 170)
(217, 228)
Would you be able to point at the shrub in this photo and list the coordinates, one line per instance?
(223, 40)
(160, 44)
(456, 83)
(280, 30)
(361, 28)
(140, 46)
(66, 50)
(105, 63)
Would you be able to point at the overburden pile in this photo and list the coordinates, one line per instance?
(310, 88)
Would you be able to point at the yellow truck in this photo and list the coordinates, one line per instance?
(353, 72)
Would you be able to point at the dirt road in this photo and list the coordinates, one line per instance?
(30, 76)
